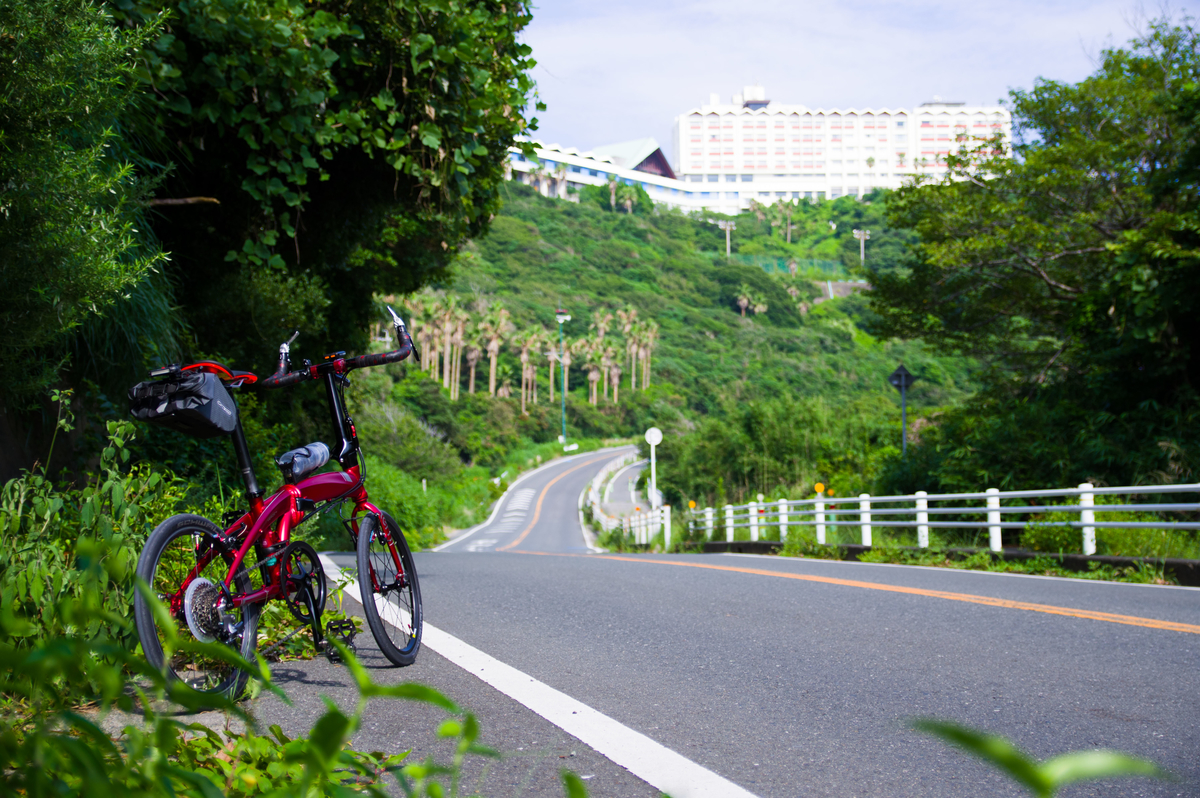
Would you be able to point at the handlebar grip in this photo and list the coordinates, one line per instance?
(283, 380)
(380, 358)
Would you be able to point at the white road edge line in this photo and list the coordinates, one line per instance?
(504, 496)
(650, 761)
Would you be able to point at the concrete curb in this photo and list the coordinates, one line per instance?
(1185, 572)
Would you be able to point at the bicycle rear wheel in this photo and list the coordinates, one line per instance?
(391, 595)
(184, 564)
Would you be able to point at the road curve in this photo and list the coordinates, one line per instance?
(540, 512)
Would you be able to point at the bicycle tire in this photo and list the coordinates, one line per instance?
(169, 555)
(398, 637)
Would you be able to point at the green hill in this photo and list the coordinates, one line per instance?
(710, 364)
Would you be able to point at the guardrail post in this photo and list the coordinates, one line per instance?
(729, 523)
(666, 519)
(708, 522)
(995, 540)
(922, 519)
(753, 511)
(783, 520)
(1087, 518)
(819, 513)
(864, 518)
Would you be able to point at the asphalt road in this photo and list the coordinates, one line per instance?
(783, 676)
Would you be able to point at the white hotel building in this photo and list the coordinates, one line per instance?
(725, 155)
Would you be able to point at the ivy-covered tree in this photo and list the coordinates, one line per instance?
(322, 151)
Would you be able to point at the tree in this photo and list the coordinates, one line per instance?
(627, 196)
(493, 328)
(1077, 257)
(628, 317)
(612, 192)
(1071, 272)
(353, 148)
(70, 200)
(744, 298)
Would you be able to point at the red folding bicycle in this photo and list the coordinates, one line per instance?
(214, 579)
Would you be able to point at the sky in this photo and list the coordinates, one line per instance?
(615, 70)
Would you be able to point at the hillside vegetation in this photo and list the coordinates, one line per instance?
(813, 365)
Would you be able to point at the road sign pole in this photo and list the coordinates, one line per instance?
(904, 421)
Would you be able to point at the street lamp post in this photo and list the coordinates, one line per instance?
(862, 236)
(562, 316)
(901, 379)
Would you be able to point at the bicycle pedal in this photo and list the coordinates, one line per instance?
(343, 631)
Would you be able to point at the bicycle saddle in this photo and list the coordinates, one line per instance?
(299, 463)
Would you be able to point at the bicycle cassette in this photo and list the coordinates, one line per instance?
(201, 609)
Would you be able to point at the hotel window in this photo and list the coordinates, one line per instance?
(900, 123)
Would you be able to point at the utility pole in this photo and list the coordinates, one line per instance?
(862, 236)
(562, 316)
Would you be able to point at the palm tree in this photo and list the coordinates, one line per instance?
(449, 324)
(474, 355)
(628, 196)
(744, 298)
(529, 340)
(612, 192)
(493, 327)
(606, 365)
(649, 338)
(560, 181)
(538, 339)
(601, 321)
(461, 318)
(614, 377)
(628, 317)
(551, 354)
(760, 305)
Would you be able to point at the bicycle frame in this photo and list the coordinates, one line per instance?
(270, 521)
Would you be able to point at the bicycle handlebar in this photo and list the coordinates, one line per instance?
(282, 377)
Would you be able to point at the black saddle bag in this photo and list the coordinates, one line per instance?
(192, 402)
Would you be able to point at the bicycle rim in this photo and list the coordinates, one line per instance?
(390, 590)
(176, 560)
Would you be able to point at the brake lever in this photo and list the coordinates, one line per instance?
(402, 333)
(285, 348)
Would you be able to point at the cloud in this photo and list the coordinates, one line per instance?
(620, 70)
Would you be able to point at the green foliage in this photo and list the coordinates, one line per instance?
(48, 747)
(1071, 271)
(61, 543)
(1048, 533)
(780, 448)
(69, 240)
(352, 148)
(1041, 779)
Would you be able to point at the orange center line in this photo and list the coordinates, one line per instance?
(1050, 609)
(537, 511)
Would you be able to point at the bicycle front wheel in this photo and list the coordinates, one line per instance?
(184, 564)
(391, 595)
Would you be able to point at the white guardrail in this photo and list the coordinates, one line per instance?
(869, 511)
(641, 527)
